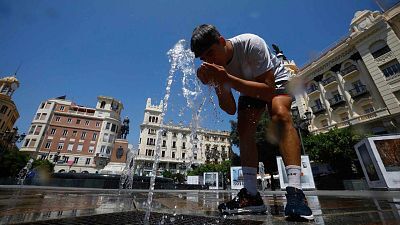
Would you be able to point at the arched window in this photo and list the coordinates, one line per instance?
(102, 104)
(379, 48)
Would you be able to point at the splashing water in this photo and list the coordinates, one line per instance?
(128, 172)
(182, 59)
(24, 172)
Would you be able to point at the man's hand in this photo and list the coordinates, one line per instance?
(212, 74)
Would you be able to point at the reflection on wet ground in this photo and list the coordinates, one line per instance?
(31, 204)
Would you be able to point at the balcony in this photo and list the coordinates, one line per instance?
(312, 89)
(317, 109)
(328, 81)
(358, 91)
(336, 101)
(346, 72)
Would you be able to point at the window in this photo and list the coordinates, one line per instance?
(78, 121)
(66, 158)
(65, 132)
(113, 127)
(173, 155)
(58, 119)
(37, 116)
(91, 149)
(87, 161)
(43, 116)
(3, 109)
(94, 136)
(164, 143)
(163, 154)
(79, 148)
(76, 159)
(174, 134)
(53, 131)
(62, 108)
(69, 120)
(108, 151)
(174, 144)
(183, 155)
(102, 104)
(26, 142)
(60, 146)
(97, 124)
(70, 147)
(105, 138)
(48, 144)
(102, 148)
(183, 145)
(111, 139)
(83, 135)
(42, 105)
(368, 108)
(33, 127)
(391, 69)
(108, 126)
(379, 48)
(74, 133)
(87, 122)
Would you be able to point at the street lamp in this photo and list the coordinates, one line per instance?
(301, 123)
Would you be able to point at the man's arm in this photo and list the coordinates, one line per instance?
(262, 88)
(225, 99)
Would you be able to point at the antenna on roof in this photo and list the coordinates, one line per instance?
(20, 64)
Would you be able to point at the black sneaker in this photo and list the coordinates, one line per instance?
(296, 207)
(243, 203)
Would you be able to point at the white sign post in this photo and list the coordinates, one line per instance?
(306, 179)
(380, 161)
(236, 178)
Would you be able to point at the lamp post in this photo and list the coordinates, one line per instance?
(301, 123)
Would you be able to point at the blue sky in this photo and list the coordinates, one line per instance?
(83, 49)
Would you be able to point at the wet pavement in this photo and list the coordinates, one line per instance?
(51, 205)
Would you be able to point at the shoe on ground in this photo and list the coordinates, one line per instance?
(243, 203)
(296, 207)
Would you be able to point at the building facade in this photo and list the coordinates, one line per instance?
(356, 82)
(76, 138)
(8, 110)
(176, 148)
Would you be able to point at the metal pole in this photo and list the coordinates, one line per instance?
(301, 141)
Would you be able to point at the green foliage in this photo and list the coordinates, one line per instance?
(336, 147)
(44, 166)
(178, 177)
(11, 162)
(224, 167)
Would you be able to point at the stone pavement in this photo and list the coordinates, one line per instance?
(52, 205)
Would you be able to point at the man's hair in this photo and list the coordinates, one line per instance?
(203, 37)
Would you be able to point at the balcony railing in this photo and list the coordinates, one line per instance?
(348, 70)
(358, 91)
(318, 109)
(328, 80)
(338, 99)
(312, 89)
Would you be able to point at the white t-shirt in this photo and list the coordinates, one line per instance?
(252, 57)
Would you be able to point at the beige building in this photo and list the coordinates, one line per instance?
(176, 148)
(8, 110)
(357, 81)
(76, 138)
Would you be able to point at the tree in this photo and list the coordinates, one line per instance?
(223, 167)
(12, 161)
(336, 147)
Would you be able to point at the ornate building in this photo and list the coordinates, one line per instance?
(176, 149)
(76, 138)
(8, 111)
(356, 82)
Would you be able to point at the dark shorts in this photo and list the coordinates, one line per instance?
(246, 102)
